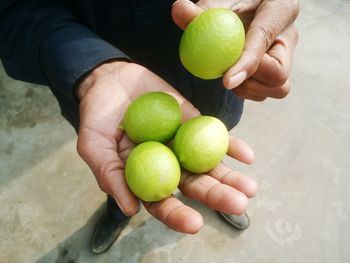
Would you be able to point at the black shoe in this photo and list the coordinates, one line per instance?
(240, 222)
(106, 232)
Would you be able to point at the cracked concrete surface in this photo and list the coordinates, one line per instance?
(50, 201)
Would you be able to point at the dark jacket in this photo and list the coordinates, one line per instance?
(55, 43)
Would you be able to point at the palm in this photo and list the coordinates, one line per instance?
(105, 148)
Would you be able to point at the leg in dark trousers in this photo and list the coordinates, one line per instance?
(114, 210)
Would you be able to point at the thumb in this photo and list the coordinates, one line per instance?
(183, 11)
(271, 18)
(101, 154)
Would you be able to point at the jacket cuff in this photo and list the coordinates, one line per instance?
(69, 53)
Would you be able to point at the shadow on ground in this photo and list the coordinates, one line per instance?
(30, 126)
(143, 236)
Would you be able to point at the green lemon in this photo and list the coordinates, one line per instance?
(212, 43)
(201, 143)
(154, 116)
(152, 171)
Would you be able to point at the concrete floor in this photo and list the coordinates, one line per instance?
(50, 201)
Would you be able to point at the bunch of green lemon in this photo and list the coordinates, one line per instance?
(152, 168)
(211, 43)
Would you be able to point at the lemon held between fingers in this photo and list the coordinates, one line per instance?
(212, 43)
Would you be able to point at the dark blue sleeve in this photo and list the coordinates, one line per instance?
(42, 42)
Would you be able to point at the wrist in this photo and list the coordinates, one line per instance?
(87, 81)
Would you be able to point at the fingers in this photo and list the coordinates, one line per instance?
(275, 65)
(243, 6)
(271, 18)
(272, 76)
(256, 89)
(214, 194)
(183, 11)
(237, 180)
(222, 189)
(100, 153)
(240, 150)
(176, 215)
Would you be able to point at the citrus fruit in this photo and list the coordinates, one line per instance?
(212, 43)
(201, 143)
(152, 171)
(154, 116)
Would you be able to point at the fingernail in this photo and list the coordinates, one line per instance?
(250, 156)
(237, 79)
(184, 1)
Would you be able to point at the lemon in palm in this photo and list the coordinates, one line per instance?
(212, 43)
(154, 116)
(201, 143)
(152, 171)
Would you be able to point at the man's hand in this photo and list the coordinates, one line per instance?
(105, 95)
(264, 66)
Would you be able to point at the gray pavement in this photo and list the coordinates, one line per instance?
(50, 201)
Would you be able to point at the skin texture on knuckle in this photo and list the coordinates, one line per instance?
(245, 5)
(279, 75)
(163, 209)
(295, 6)
(283, 91)
(277, 14)
(291, 9)
(276, 66)
(266, 34)
(212, 198)
(279, 71)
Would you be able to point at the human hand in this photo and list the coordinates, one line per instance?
(271, 37)
(105, 94)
